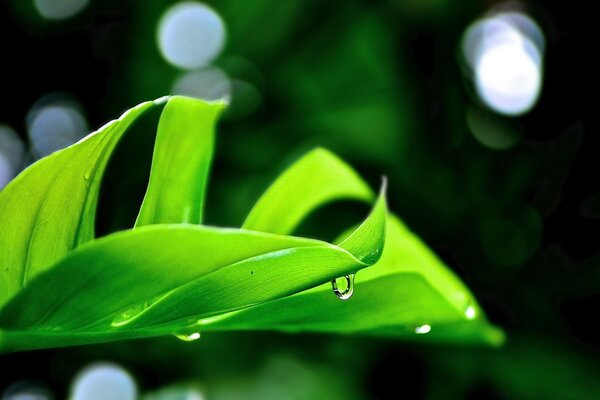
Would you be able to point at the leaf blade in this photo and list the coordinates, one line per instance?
(317, 178)
(181, 162)
(391, 299)
(359, 242)
(38, 223)
(214, 269)
(407, 270)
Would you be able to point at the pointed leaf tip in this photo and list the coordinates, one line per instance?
(367, 241)
(181, 162)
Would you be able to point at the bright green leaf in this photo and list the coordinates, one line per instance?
(408, 293)
(176, 277)
(317, 178)
(304, 261)
(407, 289)
(359, 242)
(181, 162)
(50, 208)
(196, 272)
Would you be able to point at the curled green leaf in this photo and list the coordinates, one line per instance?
(60, 286)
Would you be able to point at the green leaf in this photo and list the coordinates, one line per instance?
(50, 208)
(177, 277)
(303, 262)
(147, 281)
(359, 241)
(181, 162)
(318, 178)
(193, 272)
(408, 291)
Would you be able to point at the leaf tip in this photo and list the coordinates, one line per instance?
(161, 100)
(384, 186)
(217, 105)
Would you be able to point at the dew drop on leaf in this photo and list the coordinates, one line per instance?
(470, 312)
(346, 293)
(423, 329)
(125, 317)
(189, 337)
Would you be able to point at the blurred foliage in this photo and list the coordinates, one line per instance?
(379, 83)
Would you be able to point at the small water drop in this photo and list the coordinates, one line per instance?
(125, 317)
(87, 174)
(128, 315)
(346, 293)
(470, 312)
(423, 329)
(189, 337)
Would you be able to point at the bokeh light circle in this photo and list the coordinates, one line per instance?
(54, 125)
(191, 35)
(12, 154)
(6, 171)
(103, 381)
(27, 390)
(504, 52)
(508, 79)
(59, 9)
(207, 84)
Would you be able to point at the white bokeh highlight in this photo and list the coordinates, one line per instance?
(207, 84)
(508, 79)
(423, 329)
(505, 54)
(470, 312)
(54, 126)
(191, 35)
(6, 171)
(59, 9)
(527, 26)
(25, 390)
(12, 154)
(11, 145)
(103, 381)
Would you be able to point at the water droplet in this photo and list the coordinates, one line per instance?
(348, 291)
(423, 329)
(87, 174)
(470, 312)
(131, 313)
(127, 315)
(189, 338)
